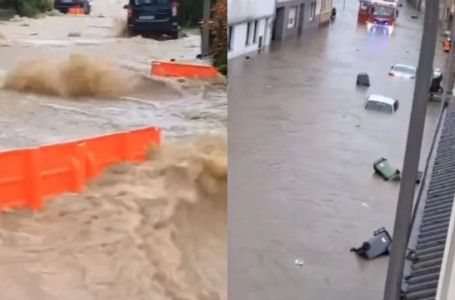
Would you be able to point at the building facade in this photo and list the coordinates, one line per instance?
(294, 17)
(250, 25)
(447, 9)
(326, 11)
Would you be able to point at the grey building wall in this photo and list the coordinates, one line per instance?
(302, 22)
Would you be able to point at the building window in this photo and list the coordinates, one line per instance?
(248, 32)
(230, 37)
(291, 17)
(255, 32)
(312, 11)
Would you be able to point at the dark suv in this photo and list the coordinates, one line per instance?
(64, 5)
(153, 16)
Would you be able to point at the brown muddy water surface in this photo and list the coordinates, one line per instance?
(154, 231)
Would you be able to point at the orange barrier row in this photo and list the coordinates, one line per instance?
(76, 11)
(29, 176)
(173, 69)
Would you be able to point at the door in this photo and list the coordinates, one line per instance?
(277, 33)
(301, 18)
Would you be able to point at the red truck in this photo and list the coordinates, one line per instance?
(378, 13)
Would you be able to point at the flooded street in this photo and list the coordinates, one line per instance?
(180, 108)
(150, 231)
(301, 150)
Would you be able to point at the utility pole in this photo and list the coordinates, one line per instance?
(412, 154)
(205, 45)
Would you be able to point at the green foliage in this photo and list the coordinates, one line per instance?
(7, 3)
(32, 8)
(223, 69)
(219, 33)
(190, 12)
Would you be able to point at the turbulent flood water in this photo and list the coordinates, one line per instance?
(150, 231)
(154, 231)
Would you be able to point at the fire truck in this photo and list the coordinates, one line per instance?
(378, 13)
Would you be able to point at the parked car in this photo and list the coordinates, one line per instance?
(153, 16)
(381, 104)
(64, 5)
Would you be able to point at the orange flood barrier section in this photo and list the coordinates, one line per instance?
(76, 11)
(173, 69)
(29, 176)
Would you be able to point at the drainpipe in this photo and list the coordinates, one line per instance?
(412, 154)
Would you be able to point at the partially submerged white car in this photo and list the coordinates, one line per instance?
(404, 71)
(381, 104)
(409, 72)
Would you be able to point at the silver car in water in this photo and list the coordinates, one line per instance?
(404, 71)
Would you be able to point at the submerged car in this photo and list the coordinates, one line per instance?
(153, 16)
(404, 71)
(64, 5)
(381, 104)
(409, 72)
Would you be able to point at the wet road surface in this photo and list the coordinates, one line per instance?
(182, 109)
(301, 149)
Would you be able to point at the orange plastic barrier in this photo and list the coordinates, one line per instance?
(173, 69)
(29, 176)
(76, 11)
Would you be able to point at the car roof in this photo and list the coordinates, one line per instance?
(382, 99)
(404, 66)
(436, 71)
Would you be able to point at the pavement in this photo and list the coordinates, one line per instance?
(301, 153)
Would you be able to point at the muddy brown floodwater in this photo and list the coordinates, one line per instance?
(150, 231)
(154, 231)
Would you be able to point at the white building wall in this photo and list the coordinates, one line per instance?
(241, 12)
(318, 8)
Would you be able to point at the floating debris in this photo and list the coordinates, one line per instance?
(299, 262)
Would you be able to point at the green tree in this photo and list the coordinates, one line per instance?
(190, 12)
(31, 8)
(219, 35)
